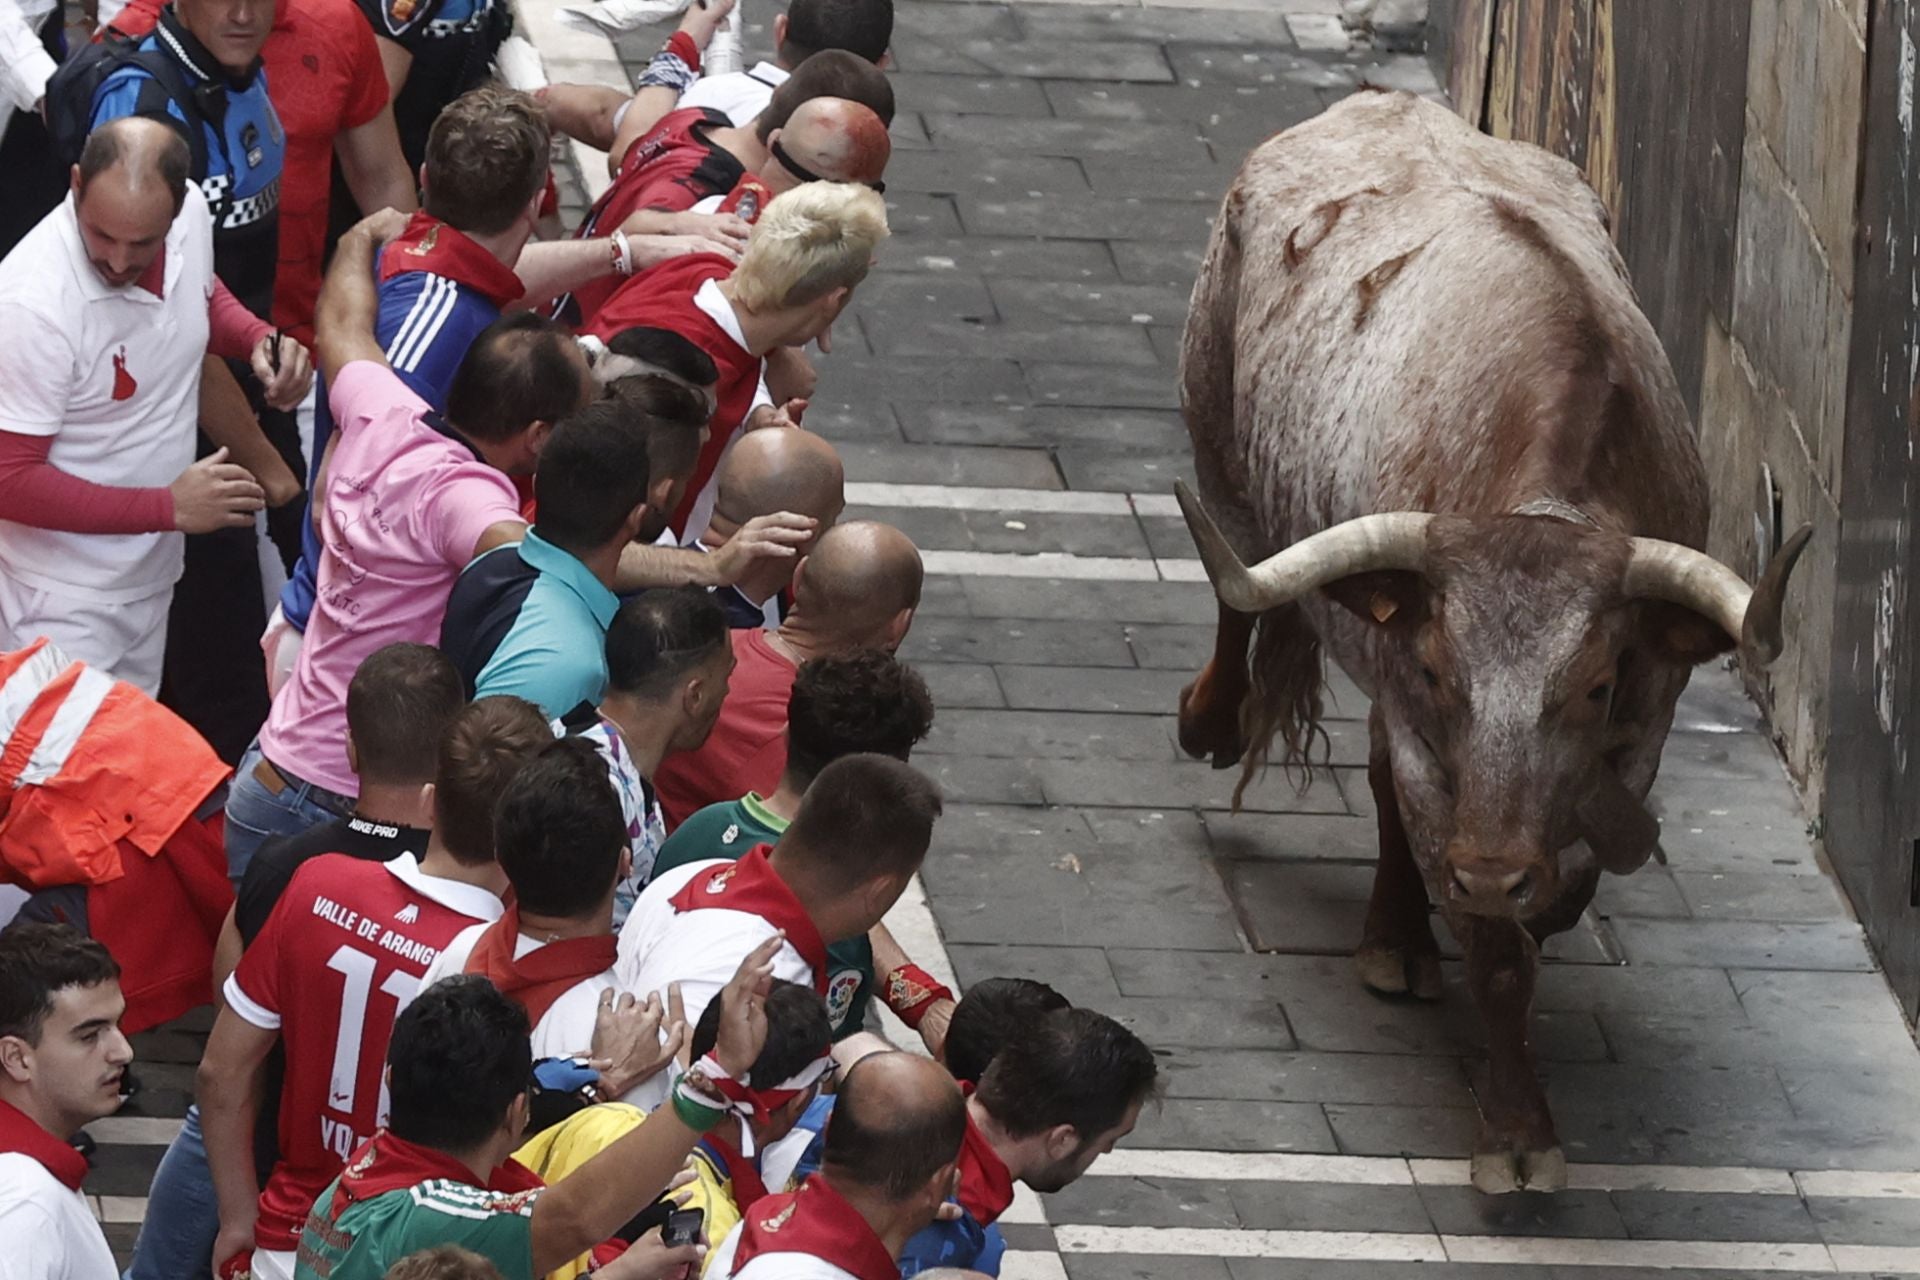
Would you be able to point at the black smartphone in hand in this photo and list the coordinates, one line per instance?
(684, 1226)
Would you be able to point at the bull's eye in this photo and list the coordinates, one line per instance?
(1426, 673)
(1600, 692)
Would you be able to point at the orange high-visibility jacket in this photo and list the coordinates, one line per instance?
(89, 761)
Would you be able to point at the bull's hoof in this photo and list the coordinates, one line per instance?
(1395, 971)
(1499, 1172)
(1205, 732)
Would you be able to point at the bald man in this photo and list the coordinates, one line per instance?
(765, 472)
(107, 308)
(891, 1152)
(824, 140)
(857, 589)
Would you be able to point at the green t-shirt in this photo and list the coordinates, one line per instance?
(732, 830)
(372, 1235)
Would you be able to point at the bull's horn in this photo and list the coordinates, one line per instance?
(1394, 540)
(1680, 575)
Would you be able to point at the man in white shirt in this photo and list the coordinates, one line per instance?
(561, 839)
(863, 27)
(859, 837)
(107, 308)
(62, 1059)
(891, 1149)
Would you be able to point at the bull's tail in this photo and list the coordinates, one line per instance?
(1283, 703)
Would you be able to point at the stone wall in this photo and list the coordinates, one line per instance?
(1774, 388)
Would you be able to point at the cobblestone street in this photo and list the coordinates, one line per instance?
(1734, 1084)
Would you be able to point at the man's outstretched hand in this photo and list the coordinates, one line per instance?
(776, 536)
(743, 1009)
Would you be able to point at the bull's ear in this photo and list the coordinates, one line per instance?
(1382, 598)
(1675, 633)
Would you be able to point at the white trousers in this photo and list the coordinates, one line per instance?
(127, 641)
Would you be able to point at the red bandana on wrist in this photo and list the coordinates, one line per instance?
(542, 976)
(429, 244)
(818, 1222)
(385, 1163)
(986, 1185)
(750, 885)
(21, 1134)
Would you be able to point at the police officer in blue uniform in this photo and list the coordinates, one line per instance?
(215, 675)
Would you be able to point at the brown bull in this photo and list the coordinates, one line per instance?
(1428, 413)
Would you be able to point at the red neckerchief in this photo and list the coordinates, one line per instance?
(543, 975)
(21, 1134)
(429, 244)
(749, 198)
(385, 1163)
(750, 885)
(749, 1188)
(154, 278)
(818, 1222)
(986, 1185)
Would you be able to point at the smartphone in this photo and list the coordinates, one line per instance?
(684, 1226)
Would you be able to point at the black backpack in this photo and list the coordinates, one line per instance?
(76, 82)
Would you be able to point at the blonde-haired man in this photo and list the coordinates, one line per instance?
(809, 251)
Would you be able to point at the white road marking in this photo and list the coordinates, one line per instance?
(1031, 1264)
(1729, 1255)
(961, 497)
(1284, 1166)
(1390, 1246)
(1044, 564)
(1213, 1242)
(1019, 502)
(1709, 1179)
(950, 497)
(1883, 1259)
(1859, 1183)
(134, 1131)
(120, 1209)
(1253, 1166)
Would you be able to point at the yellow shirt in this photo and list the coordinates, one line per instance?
(562, 1149)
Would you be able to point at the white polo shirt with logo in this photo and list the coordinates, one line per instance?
(113, 376)
(699, 950)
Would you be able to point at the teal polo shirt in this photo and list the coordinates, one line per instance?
(529, 619)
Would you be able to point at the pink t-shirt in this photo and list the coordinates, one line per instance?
(405, 505)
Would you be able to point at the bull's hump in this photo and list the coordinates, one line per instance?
(1397, 146)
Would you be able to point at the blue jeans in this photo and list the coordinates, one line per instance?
(176, 1240)
(256, 811)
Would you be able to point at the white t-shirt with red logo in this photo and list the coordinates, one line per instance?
(113, 376)
(700, 950)
(342, 954)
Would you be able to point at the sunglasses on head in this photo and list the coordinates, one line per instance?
(805, 174)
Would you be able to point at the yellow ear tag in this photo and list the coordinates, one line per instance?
(1383, 606)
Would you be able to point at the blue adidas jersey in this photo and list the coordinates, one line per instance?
(425, 324)
(245, 151)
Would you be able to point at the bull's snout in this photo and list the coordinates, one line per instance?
(1490, 887)
(1514, 887)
